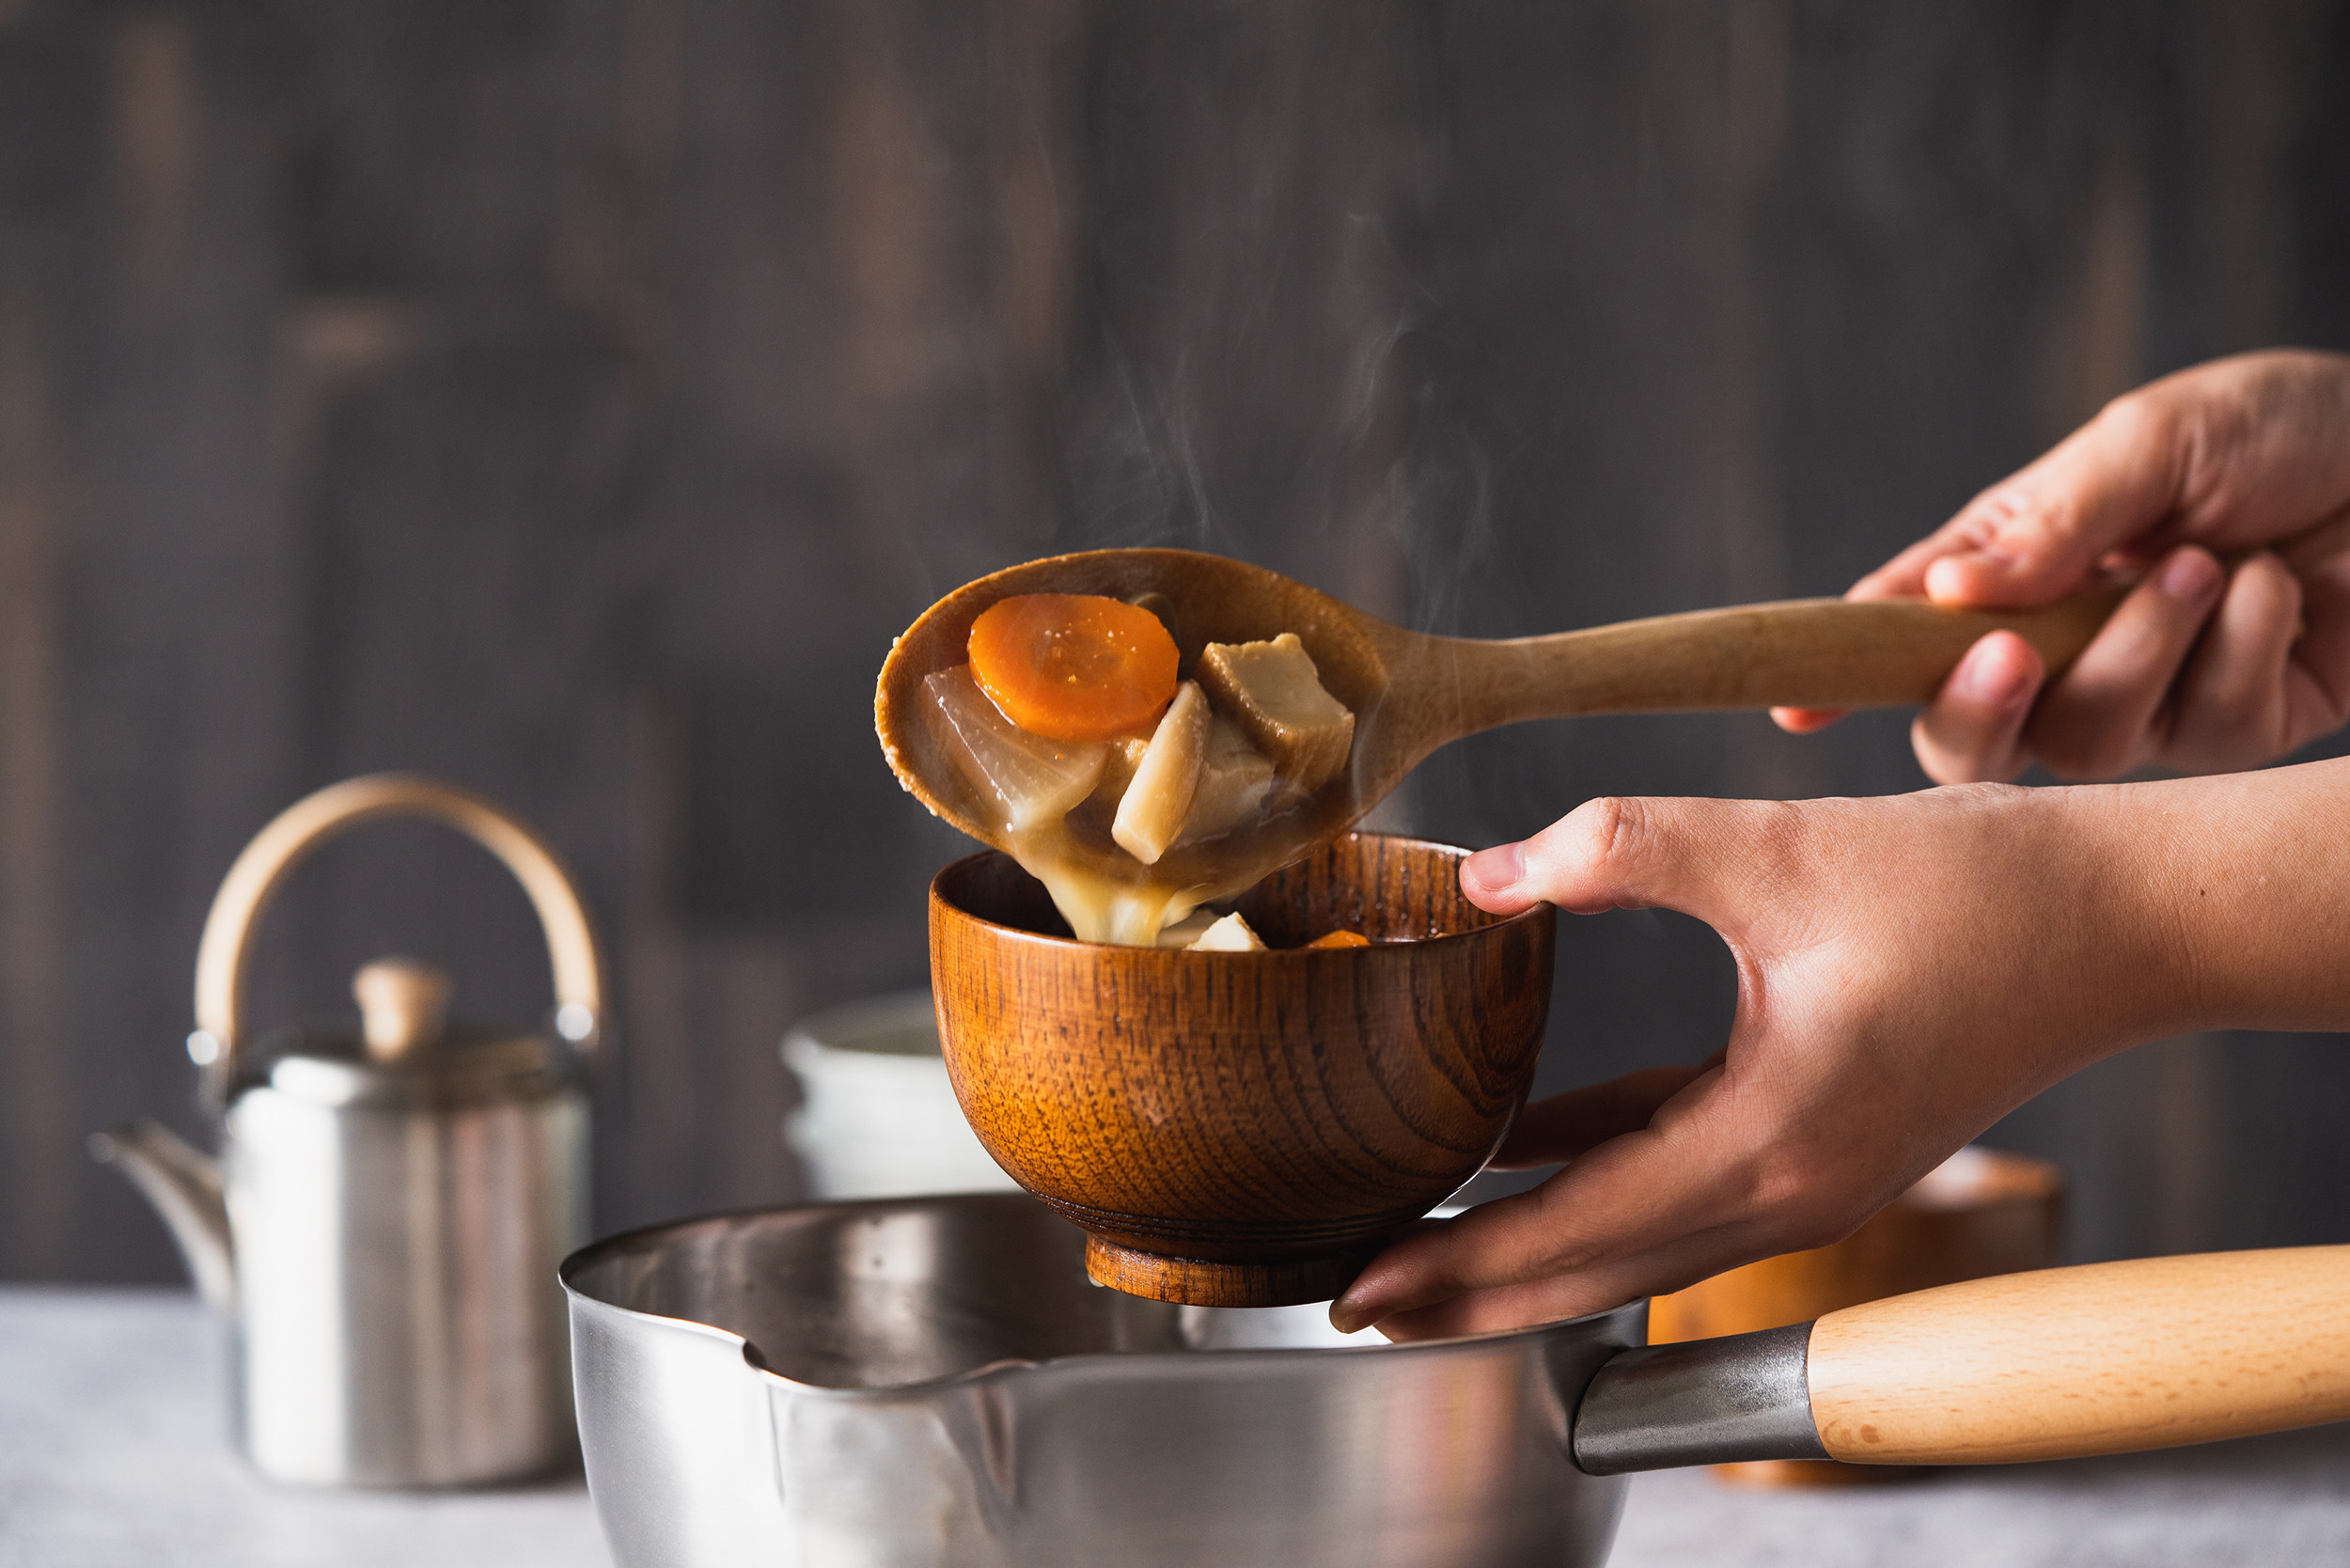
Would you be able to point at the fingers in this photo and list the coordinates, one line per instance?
(1672, 1266)
(2236, 454)
(1553, 1131)
(2235, 706)
(1904, 575)
(1590, 1220)
(1705, 1187)
(2035, 536)
(2197, 670)
(1805, 721)
(1972, 732)
(2318, 676)
(2107, 713)
(1618, 852)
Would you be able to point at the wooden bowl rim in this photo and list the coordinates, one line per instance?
(1536, 914)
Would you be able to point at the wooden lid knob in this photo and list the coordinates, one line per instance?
(402, 1004)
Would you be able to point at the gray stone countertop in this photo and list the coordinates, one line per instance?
(114, 1452)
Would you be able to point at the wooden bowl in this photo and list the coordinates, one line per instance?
(1979, 1213)
(1244, 1129)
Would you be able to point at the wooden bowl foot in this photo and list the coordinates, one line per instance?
(1207, 1282)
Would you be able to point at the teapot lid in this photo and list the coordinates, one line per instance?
(406, 1054)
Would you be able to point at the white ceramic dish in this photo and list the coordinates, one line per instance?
(878, 1117)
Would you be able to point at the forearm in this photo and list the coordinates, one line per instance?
(2240, 884)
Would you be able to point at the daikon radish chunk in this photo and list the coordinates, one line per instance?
(1183, 932)
(1073, 666)
(1234, 778)
(1230, 935)
(1029, 782)
(1274, 692)
(1340, 940)
(1152, 809)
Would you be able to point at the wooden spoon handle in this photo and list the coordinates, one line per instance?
(2105, 1358)
(1801, 653)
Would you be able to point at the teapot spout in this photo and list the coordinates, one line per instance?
(183, 1184)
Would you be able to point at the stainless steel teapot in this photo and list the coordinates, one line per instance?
(383, 1226)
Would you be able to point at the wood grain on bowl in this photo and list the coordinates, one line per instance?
(1244, 1129)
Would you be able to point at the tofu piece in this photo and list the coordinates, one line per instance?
(1183, 932)
(1232, 934)
(1152, 811)
(1234, 779)
(1027, 781)
(1275, 693)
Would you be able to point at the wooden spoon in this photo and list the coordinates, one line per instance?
(1412, 692)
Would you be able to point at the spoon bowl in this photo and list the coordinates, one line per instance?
(1203, 598)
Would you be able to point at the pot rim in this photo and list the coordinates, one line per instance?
(642, 1238)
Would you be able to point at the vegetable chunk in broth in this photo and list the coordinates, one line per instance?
(1075, 727)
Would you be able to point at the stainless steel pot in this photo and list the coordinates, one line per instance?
(907, 1382)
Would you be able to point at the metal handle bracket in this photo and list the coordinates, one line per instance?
(1743, 1396)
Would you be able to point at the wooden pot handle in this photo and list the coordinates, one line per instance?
(2103, 1359)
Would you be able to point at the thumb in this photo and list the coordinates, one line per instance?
(1620, 853)
(2036, 536)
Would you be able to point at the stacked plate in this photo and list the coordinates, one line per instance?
(877, 1117)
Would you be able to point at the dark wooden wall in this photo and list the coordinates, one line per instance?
(571, 397)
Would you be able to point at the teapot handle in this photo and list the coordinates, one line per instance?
(277, 849)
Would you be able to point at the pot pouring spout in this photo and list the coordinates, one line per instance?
(183, 1184)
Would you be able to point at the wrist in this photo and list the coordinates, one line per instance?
(2127, 968)
(2230, 898)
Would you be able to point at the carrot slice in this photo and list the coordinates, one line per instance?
(1073, 666)
(1340, 940)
